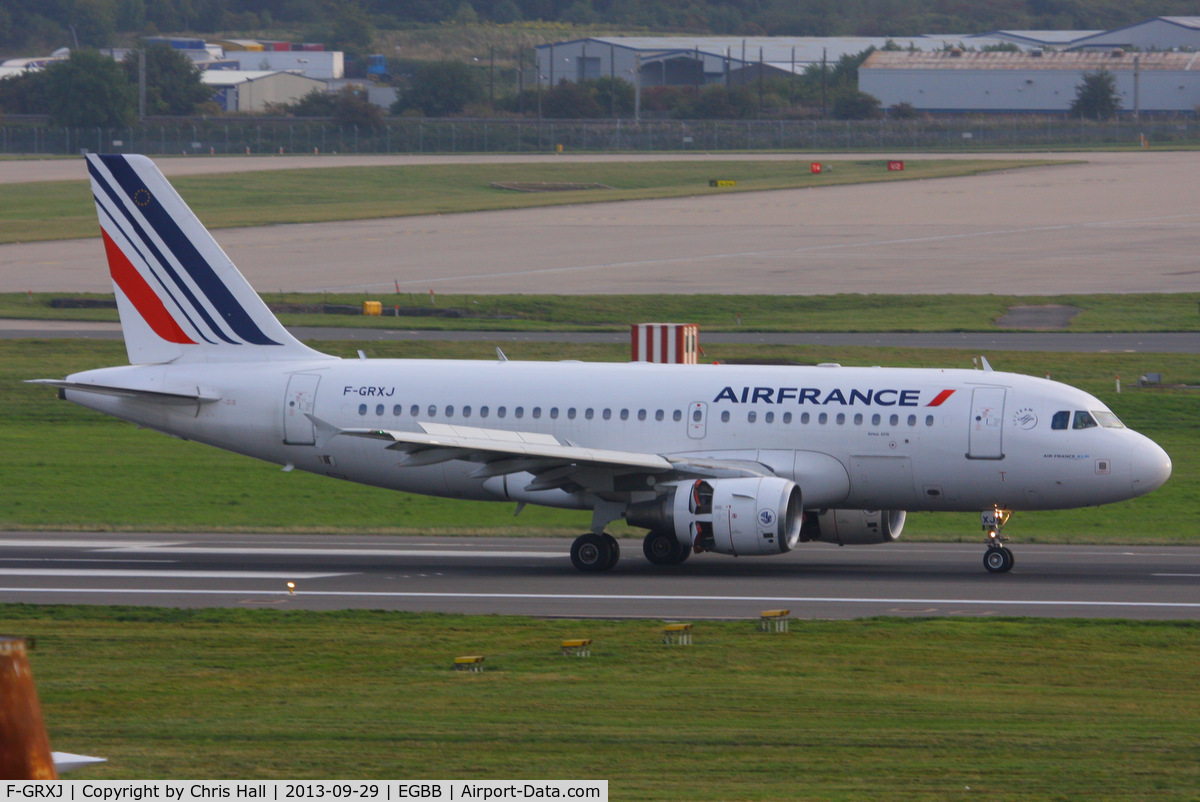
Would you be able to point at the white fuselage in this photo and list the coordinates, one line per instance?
(862, 438)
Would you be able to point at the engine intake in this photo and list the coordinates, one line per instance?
(853, 527)
(743, 517)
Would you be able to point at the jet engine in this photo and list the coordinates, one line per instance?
(853, 527)
(743, 517)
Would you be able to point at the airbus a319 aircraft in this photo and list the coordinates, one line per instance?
(739, 460)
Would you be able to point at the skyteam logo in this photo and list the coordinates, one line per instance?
(766, 518)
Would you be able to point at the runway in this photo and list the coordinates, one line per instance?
(1121, 222)
(535, 577)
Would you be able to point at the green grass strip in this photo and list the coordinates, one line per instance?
(64, 209)
(748, 313)
(870, 709)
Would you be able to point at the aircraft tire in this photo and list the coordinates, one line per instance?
(614, 547)
(591, 553)
(662, 548)
(999, 560)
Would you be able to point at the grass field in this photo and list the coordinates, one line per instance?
(1134, 312)
(872, 709)
(64, 209)
(69, 468)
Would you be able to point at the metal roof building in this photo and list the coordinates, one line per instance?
(1159, 33)
(1028, 82)
(252, 90)
(691, 60)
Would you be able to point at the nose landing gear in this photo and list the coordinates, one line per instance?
(999, 558)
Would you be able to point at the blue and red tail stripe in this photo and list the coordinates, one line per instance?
(129, 190)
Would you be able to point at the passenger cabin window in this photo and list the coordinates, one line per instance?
(483, 412)
(724, 416)
(379, 410)
(1084, 420)
(787, 417)
(501, 412)
(396, 410)
(1060, 420)
(769, 417)
(751, 416)
(414, 410)
(624, 414)
(466, 412)
(677, 415)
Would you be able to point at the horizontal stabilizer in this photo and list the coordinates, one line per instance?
(65, 761)
(196, 397)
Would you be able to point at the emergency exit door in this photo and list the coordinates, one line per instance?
(987, 424)
(301, 395)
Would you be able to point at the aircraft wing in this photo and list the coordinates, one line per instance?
(554, 462)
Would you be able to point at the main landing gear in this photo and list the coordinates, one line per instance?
(999, 558)
(592, 552)
(663, 548)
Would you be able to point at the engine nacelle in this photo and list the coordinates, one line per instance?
(853, 527)
(743, 517)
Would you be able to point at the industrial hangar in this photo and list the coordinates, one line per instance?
(1037, 81)
(1155, 64)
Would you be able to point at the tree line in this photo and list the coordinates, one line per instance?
(37, 26)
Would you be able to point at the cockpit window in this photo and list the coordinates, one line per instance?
(1084, 420)
(1060, 419)
(1107, 419)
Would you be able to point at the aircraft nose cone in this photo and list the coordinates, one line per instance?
(1151, 467)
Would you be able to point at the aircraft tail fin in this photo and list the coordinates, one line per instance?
(178, 294)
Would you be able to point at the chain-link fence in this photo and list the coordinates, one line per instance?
(531, 136)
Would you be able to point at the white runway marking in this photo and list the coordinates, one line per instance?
(134, 572)
(81, 544)
(274, 552)
(129, 546)
(635, 597)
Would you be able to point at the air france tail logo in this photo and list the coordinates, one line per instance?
(159, 268)
(819, 397)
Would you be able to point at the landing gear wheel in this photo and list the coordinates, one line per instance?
(662, 548)
(592, 553)
(998, 560)
(614, 547)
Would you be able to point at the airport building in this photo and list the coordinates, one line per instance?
(702, 60)
(252, 90)
(1036, 81)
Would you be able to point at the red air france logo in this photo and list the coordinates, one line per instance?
(940, 398)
